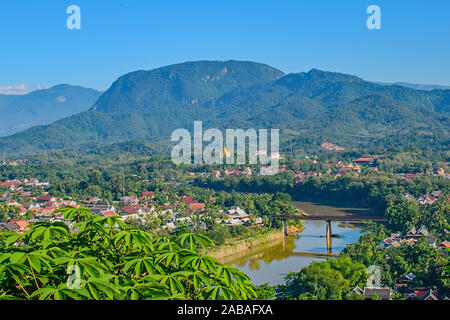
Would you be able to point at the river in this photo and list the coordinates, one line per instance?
(270, 264)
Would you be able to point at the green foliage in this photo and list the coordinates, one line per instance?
(403, 214)
(265, 292)
(354, 296)
(423, 260)
(375, 191)
(115, 262)
(328, 280)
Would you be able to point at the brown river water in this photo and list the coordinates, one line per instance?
(271, 263)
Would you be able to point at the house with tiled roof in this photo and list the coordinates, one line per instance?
(384, 293)
(44, 199)
(9, 226)
(130, 200)
(389, 242)
(30, 206)
(99, 208)
(93, 200)
(436, 194)
(36, 210)
(52, 204)
(395, 240)
(197, 206)
(21, 223)
(190, 201)
(68, 203)
(134, 209)
(48, 211)
(423, 232)
(109, 213)
(430, 295)
(407, 278)
(236, 216)
(427, 199)
(12, 184)
(357, 290)
(424, 294)
(22, 210)
(444, 245)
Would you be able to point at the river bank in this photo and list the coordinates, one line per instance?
(272, 262)
(243, 247)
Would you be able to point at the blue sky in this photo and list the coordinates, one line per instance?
(117, 37)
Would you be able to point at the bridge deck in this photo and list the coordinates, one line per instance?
(332, 218)
(314, 254)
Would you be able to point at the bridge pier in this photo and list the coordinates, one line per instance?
(329, 236)
(285, 228)
(328, 220)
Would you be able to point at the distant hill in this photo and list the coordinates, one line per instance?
(20, 112)
(309, 108)
(419, 86)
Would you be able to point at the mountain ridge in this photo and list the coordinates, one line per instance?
(308, 107)
(43, 106)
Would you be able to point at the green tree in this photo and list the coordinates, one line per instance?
(324, 280)
(265, 292)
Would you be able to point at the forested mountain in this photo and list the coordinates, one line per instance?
(419, 86)
(40, 107)
(309, 108)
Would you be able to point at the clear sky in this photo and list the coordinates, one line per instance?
(117, 37)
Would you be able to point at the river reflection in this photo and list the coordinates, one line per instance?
(272, 263)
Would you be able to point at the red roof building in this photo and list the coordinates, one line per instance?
(148, 194)
(197, 206)
(45, 198)
(21, 223)
(135, 209)
(10, 184)
(109, 213)
(444, 245)
(365, 160)
(425, 294)
(48, 211)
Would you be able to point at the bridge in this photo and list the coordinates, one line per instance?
(331, 218)
(328, 219)
(314, 254)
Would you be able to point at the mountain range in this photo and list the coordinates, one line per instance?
(308, 107)
(40, 107)
(419, 86)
